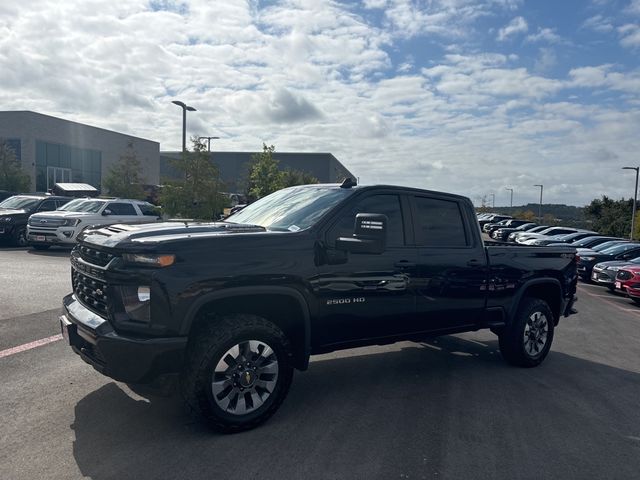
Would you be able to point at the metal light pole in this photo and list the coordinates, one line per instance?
(511, 190)
(184, 107)
(540, 207)
(635, 200)
(493, 200)
(208, 139)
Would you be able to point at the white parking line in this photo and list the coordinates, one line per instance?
(29, 346)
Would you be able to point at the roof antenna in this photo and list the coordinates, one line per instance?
(348, 183)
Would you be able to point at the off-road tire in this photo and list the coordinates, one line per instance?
(516, 344)
(209, 344)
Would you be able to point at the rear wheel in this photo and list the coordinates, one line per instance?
(527, 340)
(237, 373)
(635, 300)
(41, 247)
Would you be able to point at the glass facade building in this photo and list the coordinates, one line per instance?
(58, 163)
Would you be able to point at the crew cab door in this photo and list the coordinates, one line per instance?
(364, 295)
(452, 265)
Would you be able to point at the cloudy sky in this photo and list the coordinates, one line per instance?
(468, 96)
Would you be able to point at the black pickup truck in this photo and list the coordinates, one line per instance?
(231, 308)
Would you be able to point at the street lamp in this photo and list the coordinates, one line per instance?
(493, 200)
(208, 139)
(540, 207)
(511, 190)
(184, 107)
(635, 200)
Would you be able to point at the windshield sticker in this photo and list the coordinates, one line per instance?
(294, 228)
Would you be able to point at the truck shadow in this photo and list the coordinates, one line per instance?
(448, 408)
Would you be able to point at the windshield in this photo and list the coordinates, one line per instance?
(72, 205)
(86, 206)
(620, 248)
(292, 209)
(20, 203)
(606, 245)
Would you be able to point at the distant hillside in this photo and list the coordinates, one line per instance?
(552, 213)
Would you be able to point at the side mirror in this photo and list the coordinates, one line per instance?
(106, 212)
(369, 236)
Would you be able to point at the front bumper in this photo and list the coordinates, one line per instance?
(124, 358)
(602, 277)
(59, 236)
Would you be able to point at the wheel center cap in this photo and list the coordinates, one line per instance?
(247, 378)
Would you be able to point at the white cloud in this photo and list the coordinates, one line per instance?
(547, 59)
(547, 35)
(630, 35)
(598, 23)
(516, 26)
(314, 75)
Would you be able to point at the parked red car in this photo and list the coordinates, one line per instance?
(628, 281)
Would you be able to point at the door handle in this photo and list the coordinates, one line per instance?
(474, 262)
(402, 264)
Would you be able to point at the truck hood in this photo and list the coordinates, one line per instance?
(63, 214)
(10, 212)
(150, 233)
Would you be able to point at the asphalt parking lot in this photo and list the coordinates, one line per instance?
(449, 408)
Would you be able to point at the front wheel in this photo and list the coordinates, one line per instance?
(527, 340)
(237, 372)
(20, 237)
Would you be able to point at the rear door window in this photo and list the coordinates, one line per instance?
(122, 209)
(439, 223)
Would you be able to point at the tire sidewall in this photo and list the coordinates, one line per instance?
(512, 340)
(204, 394)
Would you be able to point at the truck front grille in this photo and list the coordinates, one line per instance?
(94, 256)
(90, 292)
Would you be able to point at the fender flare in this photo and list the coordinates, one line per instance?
(536, 281)
(256, 290)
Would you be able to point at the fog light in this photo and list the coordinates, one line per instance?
(144, 294)
(136, 301)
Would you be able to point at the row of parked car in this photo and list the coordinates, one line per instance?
(611, 262)
(43, 220)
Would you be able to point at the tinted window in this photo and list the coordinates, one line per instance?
(62, 201)
(122, 209)
(47, 206)
(439, 223)
(388, 205)
(148, 209)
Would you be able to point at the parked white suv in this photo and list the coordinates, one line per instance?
(62, 226)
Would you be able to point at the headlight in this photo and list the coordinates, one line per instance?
(149, 260)
(71, 222)
(136, 301)
(588, 259)
(613, 269)
(6, 219)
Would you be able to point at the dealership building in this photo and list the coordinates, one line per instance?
(53, 150)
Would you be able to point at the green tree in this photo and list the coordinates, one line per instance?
(610, 217)
(264, 175)
(291, 178)
(12, 176)
(124, 178)
(197, 194)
